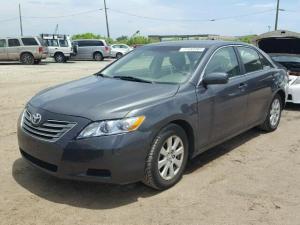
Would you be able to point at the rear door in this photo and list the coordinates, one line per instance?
(14, 49)
(229, 100)
(3, 49)
(84, 50)
(259, 80)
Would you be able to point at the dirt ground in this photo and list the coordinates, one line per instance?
(251, 179)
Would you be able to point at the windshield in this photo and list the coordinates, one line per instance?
(161, 64)
(286, 58)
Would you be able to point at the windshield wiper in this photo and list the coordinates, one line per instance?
(100, 74)
(129, 78)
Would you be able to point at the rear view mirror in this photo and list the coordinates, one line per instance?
(215, 78)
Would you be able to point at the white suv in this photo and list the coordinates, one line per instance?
(59, 46)
(27, 50)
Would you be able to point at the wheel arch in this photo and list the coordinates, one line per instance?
(189, 133)
(95, 52)
(282, 95)
(26, 52)
(58, 52)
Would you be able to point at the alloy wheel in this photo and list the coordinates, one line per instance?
(275, 112)
(171, 157)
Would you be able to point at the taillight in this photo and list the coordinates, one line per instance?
(106, 49)
(40, 49)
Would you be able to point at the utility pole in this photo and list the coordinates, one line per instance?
(20, 15)
(107, 27)
(277, 14)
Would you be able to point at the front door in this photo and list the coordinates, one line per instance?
(3, 51)
(229, 100)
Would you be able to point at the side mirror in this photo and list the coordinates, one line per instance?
(215, 78)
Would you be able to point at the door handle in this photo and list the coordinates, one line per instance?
(242, 85)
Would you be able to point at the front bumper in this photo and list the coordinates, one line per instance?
(111, 159)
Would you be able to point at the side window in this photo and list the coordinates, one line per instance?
(97, 43)
(265, 62)
(13, 42)
(2, 43)
(63, 43)
(251, 59)
(224, 61)
(29, 41)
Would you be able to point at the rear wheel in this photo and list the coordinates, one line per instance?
(274, 114)
(98, 56)
(27, 59)
(167, 158)
(59, 58)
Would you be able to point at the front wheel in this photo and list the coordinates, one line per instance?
(167, 158)
(274, 114)
(60, 58)
(119, 55)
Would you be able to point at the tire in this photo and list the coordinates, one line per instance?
(119, 55)
(98, 56)
(162, 178)
(59, 58)
(27, 59)
(274, 114)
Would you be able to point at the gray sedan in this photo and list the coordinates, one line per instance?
(144, 116)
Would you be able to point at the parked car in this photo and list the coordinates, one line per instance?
(142, 117)
(118, 50)
(284, 48)
(88, 49)
(28, 50)
(59, 46)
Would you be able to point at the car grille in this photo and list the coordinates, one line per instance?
(50, 130)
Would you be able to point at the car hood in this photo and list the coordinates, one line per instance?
(98, 98)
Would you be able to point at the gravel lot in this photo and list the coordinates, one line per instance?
(251, 179)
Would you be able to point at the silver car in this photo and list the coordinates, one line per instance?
(27, 50)
(87, 49)
(118, 50)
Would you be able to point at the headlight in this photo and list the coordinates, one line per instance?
(110, 127)
(297, 81)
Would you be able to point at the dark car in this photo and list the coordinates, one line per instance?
(142, 117)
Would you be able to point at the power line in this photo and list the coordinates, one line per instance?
(62, 16)
(191, 20)
(7, 20)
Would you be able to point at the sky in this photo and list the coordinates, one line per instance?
(150, 17)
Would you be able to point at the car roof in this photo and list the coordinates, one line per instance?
(198, 43)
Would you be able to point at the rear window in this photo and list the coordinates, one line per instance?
(13, 42)
(42, 42)
(90, 43)
(29, 41)
(280, 45)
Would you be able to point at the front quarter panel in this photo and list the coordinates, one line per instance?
(181, 107)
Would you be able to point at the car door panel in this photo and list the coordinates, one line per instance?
(259, 80)
(230, 102)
